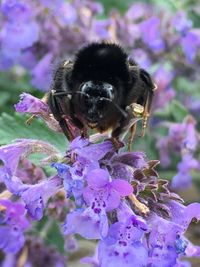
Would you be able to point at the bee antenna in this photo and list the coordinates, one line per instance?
(70, 93)
(123, 113)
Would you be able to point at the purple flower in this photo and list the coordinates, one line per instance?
(123, 245)
(31, 104)
(93, 225)
(19, 35)
(12, 225)
(183, 178)
(101, 29)
(94, 152)
(102, 193)
(35, 106)
(181, 23)
(151, 34)
(183, 215)
(16, 10)
(166, 240)
(36, 196)
(163, 78)
(77, 144)
(54, 4)
(163, 244)
(142, 58)
(11, 154)
(136, 11)
(163, 146)
(41, 74)
(190, 44)
(122, 166)
(73, 180)
(66, 14)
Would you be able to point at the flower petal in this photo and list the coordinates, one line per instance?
(122, 187)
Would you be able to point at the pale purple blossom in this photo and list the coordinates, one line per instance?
(13, 223)
(151, 34)
(31, 104)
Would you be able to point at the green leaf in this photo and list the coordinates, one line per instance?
(14, 127)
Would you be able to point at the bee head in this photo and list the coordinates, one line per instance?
(95, 99)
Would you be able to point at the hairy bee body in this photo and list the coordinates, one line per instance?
(98, 90)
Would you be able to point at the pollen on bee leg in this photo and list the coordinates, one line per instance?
(140, 207)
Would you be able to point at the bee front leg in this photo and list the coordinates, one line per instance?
(126, 125)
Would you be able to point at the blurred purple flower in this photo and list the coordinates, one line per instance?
(66, 14)
(183, 179)
(151, 34)
(100, 29)
(16, 10)
(163, 146)
(136, 11)
(12, 225)
(41, 74)
(163, 78)
(19, 35)
(141, 57)
(190, 44)
(54, 4)
(181, 23)
(182, 139)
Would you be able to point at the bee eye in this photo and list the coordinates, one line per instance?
(97, 89)
(109, 90)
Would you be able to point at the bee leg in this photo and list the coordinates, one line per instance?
(59, 116)
(84, 133)
(133, 131)
(116, 143)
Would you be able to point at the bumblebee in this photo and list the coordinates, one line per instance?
(101, 89)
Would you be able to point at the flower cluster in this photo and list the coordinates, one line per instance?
(116, 198)
(35, 35)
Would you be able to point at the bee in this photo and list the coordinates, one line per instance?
(101, 89)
